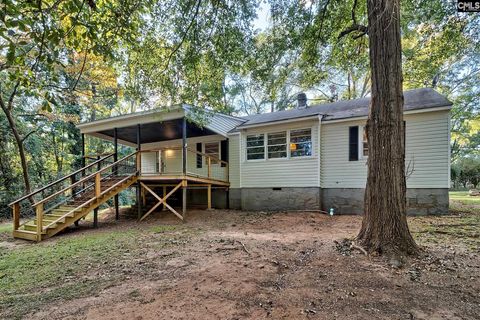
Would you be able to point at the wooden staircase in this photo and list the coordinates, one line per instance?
(69, 199)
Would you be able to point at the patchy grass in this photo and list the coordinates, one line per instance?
(460, 229)
(5, 228)
(33, 274)
(164, 228)
(463, 198)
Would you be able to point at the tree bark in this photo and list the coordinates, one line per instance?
(21, 149)
(384, 227)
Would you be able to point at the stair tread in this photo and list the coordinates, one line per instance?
(25, 231)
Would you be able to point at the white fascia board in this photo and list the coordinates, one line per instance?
(131, 120)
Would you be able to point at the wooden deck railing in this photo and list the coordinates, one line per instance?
(23, 206)
(79, 191)
(168, 162)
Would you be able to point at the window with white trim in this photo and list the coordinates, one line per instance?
(212, 149)
(363, 143)
(300, 143)
(256, 146)
(277, 145)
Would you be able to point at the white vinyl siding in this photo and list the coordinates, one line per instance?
(427, 148)
(281, 172)
(234, 160)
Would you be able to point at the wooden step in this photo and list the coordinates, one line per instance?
(24, 234)
(59, 214)
(53, 216)
(49, 219)
(31, 226)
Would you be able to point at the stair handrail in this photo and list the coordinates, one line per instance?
(81, 180)
(58, 181)
(94, 198)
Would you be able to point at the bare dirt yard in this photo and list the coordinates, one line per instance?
(241, 265)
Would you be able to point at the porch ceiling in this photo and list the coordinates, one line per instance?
(158, 131)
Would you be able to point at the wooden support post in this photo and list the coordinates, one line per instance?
(144, 198)
(115, 145)
(184, 146)
(117, 211)
(83, 155)
(209, 164)
(115, 152)
(115, 159)
(98, 187)
(95, 217)
(209, 197)
(39, 212)
(83, 150)
(139, 201)
(139, 147)
(16, 216)
(164, 195)
(184, 198)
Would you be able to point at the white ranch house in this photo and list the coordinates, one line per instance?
(312, 157)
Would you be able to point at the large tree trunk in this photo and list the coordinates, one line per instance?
(384, 227)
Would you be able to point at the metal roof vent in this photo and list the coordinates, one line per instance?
(301, 100)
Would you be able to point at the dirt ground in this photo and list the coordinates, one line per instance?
(241, 265)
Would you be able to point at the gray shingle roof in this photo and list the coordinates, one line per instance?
(414, 100)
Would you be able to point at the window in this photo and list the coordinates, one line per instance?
(255, 147)
(277, 145)
(213, 149)
(301, 143)
(363, 143)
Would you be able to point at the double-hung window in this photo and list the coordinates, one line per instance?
(255, 147)
(277, 145)
(301, 143)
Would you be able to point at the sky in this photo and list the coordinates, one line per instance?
(262, 20)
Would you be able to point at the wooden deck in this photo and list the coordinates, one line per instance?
(65, 201)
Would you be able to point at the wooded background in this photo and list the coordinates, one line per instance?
(62, 62)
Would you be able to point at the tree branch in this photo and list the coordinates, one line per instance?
(197, 9)
(28, 135)
(81, 70)
(354, 28)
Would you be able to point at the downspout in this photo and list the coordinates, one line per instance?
(320, 117)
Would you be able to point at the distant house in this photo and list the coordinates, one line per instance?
(311, 157)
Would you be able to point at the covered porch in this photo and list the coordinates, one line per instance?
(177, 157)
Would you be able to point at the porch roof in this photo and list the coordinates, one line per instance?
(161, 124)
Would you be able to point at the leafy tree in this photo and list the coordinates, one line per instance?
(36, 39)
